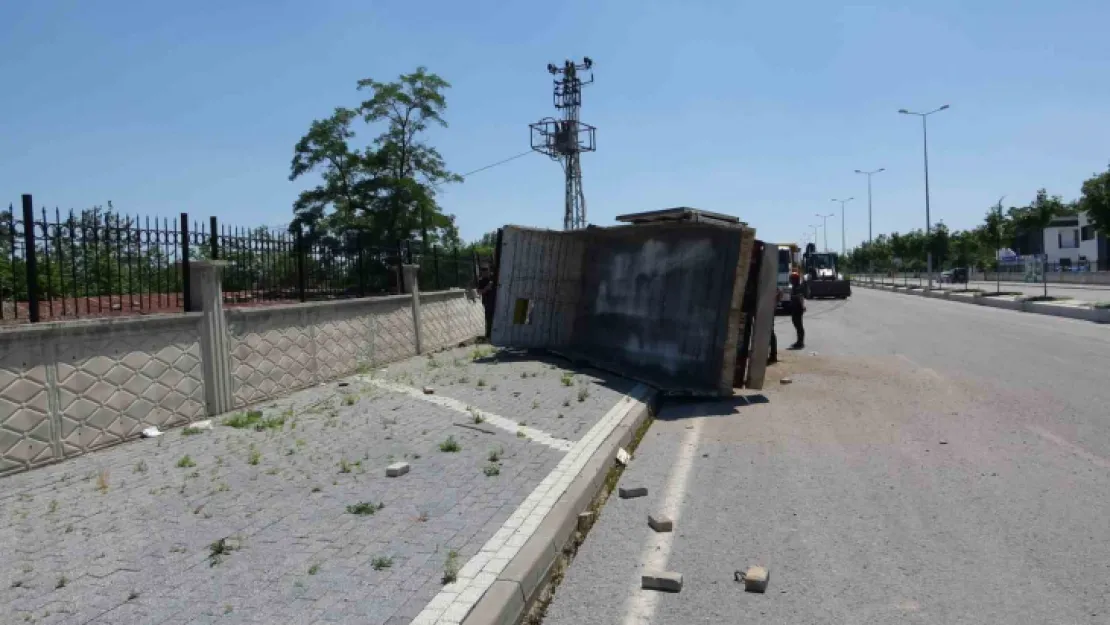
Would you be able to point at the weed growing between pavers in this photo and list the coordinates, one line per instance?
(567, 379)
(450, 445)
(102, 480)
(350, 400)
(314, 569)
(495, 454)
(190, 430)
(255, 457)
(61, 583)
(344, 466)
(566, 403)
(381, 562)
(451, 567)
(583, 393)
(219, 549)
(364, 508)
(244, 419)
(422, 517)
(492, 469)
(186, 462)
(140, 466)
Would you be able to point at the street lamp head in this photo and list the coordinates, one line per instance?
(903, 111)
(943, 107)
(859, 172)
(880, 169)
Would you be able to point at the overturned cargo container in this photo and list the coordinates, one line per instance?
(658, 299)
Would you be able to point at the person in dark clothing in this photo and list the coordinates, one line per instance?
(797, 309)
(486, 289)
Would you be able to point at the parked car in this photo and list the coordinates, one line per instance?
(956, 275)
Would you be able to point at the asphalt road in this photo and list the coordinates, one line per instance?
(931, 462)
(1093, 293)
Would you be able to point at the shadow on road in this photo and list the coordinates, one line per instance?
(674, 409)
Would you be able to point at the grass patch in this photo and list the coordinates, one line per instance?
(350, 399)
(244, 419)
(492, 469)
(583, 393)
(480, 353)
(1042, 298)
(314, 569)
(344, 466)
(450, 445)
(254, 458)
(1101, 305)
(190, 430)
(102, 480)
(364, 508)
(219, 549)
(495, 454)
(451, 567)
(186, 462)
(567, 379)
(61, 583)
(381, 562)
(140, 466)
(477, 416)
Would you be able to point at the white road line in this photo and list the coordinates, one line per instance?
(497, 421)
(640, 605)
(455, 601)
(1098, 461)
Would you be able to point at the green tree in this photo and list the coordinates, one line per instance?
(386, 191)
(1095, 200)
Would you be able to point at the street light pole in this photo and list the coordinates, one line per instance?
(843, 239)
(870, 238)
(928, 222)
(825, 228)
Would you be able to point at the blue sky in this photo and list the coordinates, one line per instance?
(758, 109)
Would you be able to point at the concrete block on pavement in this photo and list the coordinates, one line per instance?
(397, 469)
(631, 492)
(584, 520)
(667, 581)
(660, 522)
(756, 579)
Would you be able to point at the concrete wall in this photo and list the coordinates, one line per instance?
(71, 387)
(544, 268)
(68, 388)
(657, 300)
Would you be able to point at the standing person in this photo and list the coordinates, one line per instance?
(797, 309)
(486, 289)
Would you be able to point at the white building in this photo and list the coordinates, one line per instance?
(1072, 241)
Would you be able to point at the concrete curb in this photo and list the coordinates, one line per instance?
(519, 584)
(1095, 315)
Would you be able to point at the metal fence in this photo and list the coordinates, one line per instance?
(100, 263)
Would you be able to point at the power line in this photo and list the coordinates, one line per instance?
(491, 166)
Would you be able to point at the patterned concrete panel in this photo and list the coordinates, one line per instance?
(68, 388)
(111, 385)
(272, 353)
(395, 334)
(450, 318)
(344, 340)
(25, 425)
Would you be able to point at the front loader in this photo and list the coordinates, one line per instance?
(822, 275)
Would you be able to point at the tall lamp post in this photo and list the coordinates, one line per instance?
(928, 222)
(825, 227)
(843, 239)
(870, 238)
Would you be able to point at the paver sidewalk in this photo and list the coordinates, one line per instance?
(279, 521)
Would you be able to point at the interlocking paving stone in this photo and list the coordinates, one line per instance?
(141, 549)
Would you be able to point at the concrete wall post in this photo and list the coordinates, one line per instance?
(412, 285)
(206, 296)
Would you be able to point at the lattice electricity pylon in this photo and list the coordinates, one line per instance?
(565, 139)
